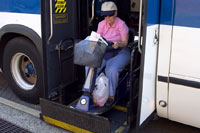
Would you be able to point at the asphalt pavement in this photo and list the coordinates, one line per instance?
(161, 125)
(27, 121)
(22, 114)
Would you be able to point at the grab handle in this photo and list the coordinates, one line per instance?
(51, 22)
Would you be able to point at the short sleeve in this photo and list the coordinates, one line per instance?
(100, 28)
(123, 29)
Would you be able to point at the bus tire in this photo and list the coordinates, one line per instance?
(22, 67)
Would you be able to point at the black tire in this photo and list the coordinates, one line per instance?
(22, 66)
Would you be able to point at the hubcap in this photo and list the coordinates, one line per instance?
(23, 71)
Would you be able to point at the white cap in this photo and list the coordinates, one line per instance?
(108, 8)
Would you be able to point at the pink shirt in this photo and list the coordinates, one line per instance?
(112, 33)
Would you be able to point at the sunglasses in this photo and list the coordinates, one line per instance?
(109, 15)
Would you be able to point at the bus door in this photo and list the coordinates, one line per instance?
(149, 41)
(61, 22)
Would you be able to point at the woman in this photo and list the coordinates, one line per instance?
(113, 29)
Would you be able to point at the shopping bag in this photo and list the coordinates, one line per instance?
(101, 90)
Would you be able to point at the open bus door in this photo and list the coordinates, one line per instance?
(60, 29)
(149, 41)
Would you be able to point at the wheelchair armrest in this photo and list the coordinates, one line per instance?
(133, 45)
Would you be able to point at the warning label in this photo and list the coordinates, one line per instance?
(60, 15)
(60, 6)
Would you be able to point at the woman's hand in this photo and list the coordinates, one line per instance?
(122, 43)
(116, 45)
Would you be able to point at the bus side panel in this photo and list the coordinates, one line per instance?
(184, 104)
(21, 12)
(185, 44)
(184, 92)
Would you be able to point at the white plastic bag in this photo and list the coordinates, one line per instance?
(101, 90)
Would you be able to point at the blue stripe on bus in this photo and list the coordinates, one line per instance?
(153, 12)
(166, 15)
(20, 6)
(186, 12)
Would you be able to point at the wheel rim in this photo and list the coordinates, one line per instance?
(23, 71)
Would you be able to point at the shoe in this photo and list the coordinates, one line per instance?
(109, 102)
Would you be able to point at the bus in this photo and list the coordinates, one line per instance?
(162, 77)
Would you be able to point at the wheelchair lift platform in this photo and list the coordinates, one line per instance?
(80, 121)
(96, 109)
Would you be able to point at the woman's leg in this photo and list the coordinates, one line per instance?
(114, 66)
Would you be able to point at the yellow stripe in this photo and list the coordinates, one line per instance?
(64, 125)
(120, 130)
(120, 108)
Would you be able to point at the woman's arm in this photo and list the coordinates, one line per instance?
(123, 28)
(122, 43)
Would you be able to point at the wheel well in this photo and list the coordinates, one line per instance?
(4, 40)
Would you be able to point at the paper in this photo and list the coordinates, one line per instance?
(94, 36)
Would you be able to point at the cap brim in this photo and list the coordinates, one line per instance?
(103, 13)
